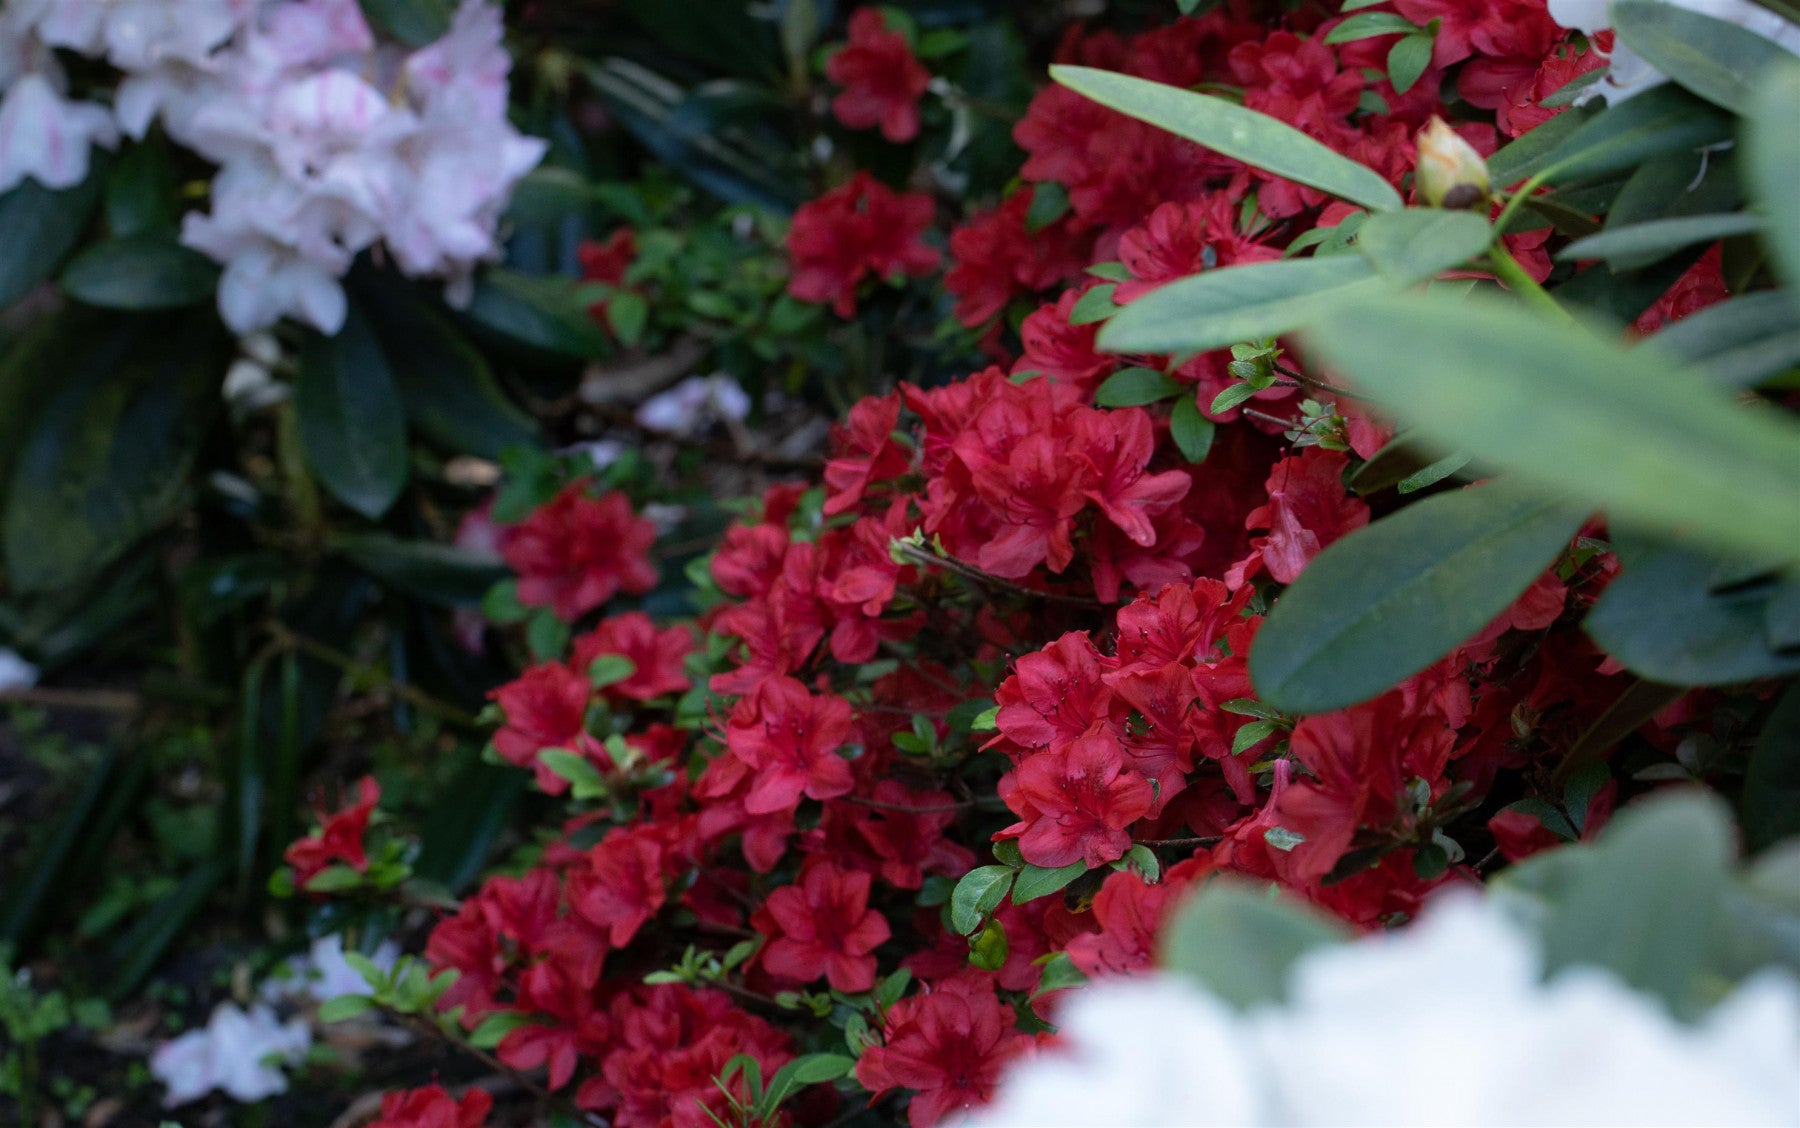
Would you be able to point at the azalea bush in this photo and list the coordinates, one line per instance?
(1293, 471)
(1247, 561)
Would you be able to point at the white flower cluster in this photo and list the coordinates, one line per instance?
(242, 1052)
(1628, 73)
(1445, 1023)
(328, 140)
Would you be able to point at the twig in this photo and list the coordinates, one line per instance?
(1175, 842)
(934, 809)
(950, 564)
(90, 700)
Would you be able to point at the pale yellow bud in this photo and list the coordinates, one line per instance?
(1451, 174)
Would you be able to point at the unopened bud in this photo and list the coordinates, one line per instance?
(1451, 174)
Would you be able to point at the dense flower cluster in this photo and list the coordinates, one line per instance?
(774, 803)
(327, 140)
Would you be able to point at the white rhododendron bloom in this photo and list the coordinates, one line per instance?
(1444, 1023)
(1628, 74)
(328, 140)
(231, 1053)
(694, 405)
(15, 671)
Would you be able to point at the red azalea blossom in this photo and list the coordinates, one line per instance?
(791, 738)
(433, 1107)
(863, 229)
(657, 656)
(576, 552)
(339, 838)
(822, 926)
(947, 1046)
(882, 81)
(546, 707)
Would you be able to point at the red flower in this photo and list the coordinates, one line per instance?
(339, 837)
(866, 451)
(657, 656)
(623, 884)
(1308, 509)
(607, 262)
(1116, 447)
(1130, 913)
(545, 707)
(864, 229)
(1061, 351)
(822, 925)
(433, 1107)
(576, 552)
(1074, 803)
(1179, 240)
(948, 1046)
(1054, 695)
(995, 259)
(792, 739)
(909, 837)
(882, 81)
(670, 1044)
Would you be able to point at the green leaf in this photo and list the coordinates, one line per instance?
(1368, 25)
(585, 781)
(810, 1069)
(1231, 397)
(628, 313)
(139, 950)
(1413, 245)
(1664, 119)
(439, 574)
(38, 228)
(1772, 164)
(1036, 881)
(977, 894)
(1192, 431)
(1718, 60)
(610, 669)
(341, 1007)
(1644, 900)
(1427, 476)
(1049, 203)
(1408, 60)
(141, 272)
(493, 1029)
(1240, 303)
(1059, 972)
(142, 191)
(352, 423)
(445, 382)
(1647, 242)
(1238, 942)
(1531, 151)
(543, 313)
(1650, 443)
(988, 950)
(106, 458)
(1251, 735)
(1228, 128)
(1662, 620)
(1389, 600)
(413, 22)
(1135, 387)
(333, 879)
(987, 721)
(1095, 305)
(1740, 343)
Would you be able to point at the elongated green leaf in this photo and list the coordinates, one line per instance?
(1525, 154)
(1645, 900)
(1389, 600)
(1665, 119)
(1718, 60)
(38, 228)
(1369, 25)
(1035, 881)
(142, 191)
(1413, 245)
(1771, 804)
(1585, 419)
(441, 574)
(1408, 59)
(1239, 943)
(1772, 162)
(540, 312)
(1228, 128)
(141, 272)
(1135, 387)
(1659, 237)
(138, 952)
(43, 870)
(1192, 431)
(107, 455)
(352, 425)
(413, 22)
(1741, 342)
(1662, 619)
(1240, 303)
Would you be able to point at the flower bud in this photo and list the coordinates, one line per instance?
(1451, 174)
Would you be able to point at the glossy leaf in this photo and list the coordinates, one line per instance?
(1663, 119)
(1716, 59)
(1772, 164)
(542, 313)
(1662, 620)
(352, 423)
(1532, 150)
(977, 894)
(434, 572)
(150, 271)
(1740, 342)
(142, 193)
(1220, 308)
(1771, 803)
(1192, 431)
(1389, 600)
(1238, 942)
(1413, 245)
(38, 229)
(1649, 241)
(1408, 60)
(1135, 387)
(1583, 418)
(1036, 881)
(1228, 128)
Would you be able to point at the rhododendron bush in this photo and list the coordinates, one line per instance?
(1294, 471)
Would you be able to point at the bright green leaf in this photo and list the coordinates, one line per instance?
(1135, 387)
(1368, 25)
(1408, 60)
(1192, 431)
(1036, 881)
(978, 893)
